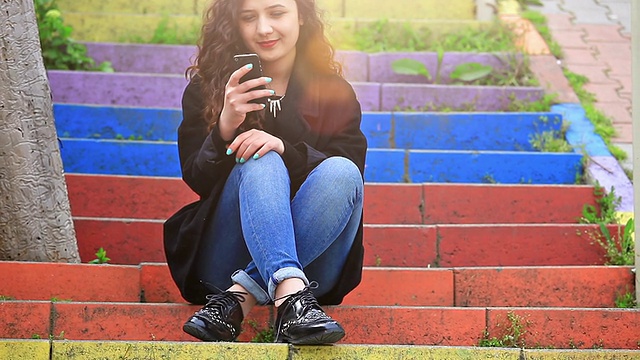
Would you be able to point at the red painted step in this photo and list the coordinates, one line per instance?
(475, 287)
(157, 198)
(544, 327)
(136, 241)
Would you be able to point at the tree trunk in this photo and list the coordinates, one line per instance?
(35, 216)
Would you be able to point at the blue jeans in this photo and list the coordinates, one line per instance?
(259, 236)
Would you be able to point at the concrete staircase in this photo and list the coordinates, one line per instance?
(471, 236)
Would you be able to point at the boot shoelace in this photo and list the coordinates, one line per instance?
(215, 305)
(311, 309)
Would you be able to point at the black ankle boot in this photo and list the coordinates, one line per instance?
(302, 321)
(219, 320)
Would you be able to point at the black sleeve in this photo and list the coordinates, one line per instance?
(338, 131)
(203, 156)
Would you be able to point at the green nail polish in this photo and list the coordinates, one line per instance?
(273, 92)
(256, 156)
(229, 151)
(241, 160)
(249, 66)
(237, 160)
(269, 80)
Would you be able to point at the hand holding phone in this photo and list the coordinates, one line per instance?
(256, 72)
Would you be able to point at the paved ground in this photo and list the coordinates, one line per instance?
(595, 36)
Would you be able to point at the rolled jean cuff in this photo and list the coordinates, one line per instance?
(240, 277)
(283, 274)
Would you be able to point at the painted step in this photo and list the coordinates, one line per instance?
(153, 158)
(134, 241)
(165, 91)
(587, 287)
(71, 350)
(426, 131)
(124, 22)
(358, 66)
(403, 9)
(545, 327)
(157, 198)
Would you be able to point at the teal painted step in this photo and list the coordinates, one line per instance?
(427, 131)
(153, 158)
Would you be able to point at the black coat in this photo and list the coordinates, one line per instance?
(320, 118)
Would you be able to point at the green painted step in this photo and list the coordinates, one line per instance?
(126, 21)
(363, 9)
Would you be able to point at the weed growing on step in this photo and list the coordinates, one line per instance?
(59, 50)
(489, 179)
(540, 22)
(602, 123)
(101, 257)
(626, 300)
(378, 261)
(387, 36)
(6, 298)
(57, 337)
(605, 211)
(263, 335)
(55, 299)
(552, 141)
(510, 335)
(619, 247)
(130, 138)
(541, 105)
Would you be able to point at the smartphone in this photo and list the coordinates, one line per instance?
(244, 59)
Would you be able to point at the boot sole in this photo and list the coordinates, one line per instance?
(198, 332)
(327, 336)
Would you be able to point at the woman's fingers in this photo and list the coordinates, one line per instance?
(253, 144)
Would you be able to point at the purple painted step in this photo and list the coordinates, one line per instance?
(174, 59)
(165, 91)
(358, 66)
(426, 97)
(380, 65)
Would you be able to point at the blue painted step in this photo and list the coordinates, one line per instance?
(428, 131)
(155, 158)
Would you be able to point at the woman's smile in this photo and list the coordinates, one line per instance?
(267, 44)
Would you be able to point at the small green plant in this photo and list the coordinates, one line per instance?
(167, 32)
(386, 36)
(605, 211)
(512, 335)
(6, 298)
(263, 335)
(101, 257)
(383, 35)
(55, 299)
(542, 105)
(465, 72)
(378, 261)
(36, 336)
(59, 50)
(619, 248)
(626, 300)
(552, 141)
(540, 22)
(489, 179)
(602, 123)
(57, 337)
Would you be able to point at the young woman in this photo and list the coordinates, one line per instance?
(281, 185)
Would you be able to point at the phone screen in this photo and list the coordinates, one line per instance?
(256, 72)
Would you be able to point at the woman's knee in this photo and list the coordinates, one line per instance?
(343, 174)
(266, 167)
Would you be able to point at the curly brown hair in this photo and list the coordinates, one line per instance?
(220, 39)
